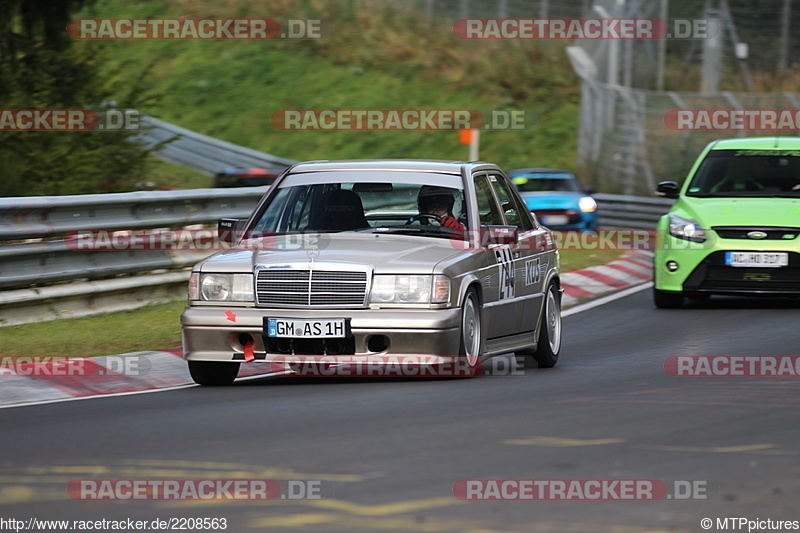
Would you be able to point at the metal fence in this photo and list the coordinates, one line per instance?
(763, 26)
(624, 145)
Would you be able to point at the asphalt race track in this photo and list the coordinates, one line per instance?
(384, 455)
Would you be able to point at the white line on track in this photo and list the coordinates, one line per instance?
(591, 304)
(109, 395)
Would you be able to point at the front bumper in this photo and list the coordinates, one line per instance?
(211, 334)
(701, 268)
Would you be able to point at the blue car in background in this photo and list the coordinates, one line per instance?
(556, 197)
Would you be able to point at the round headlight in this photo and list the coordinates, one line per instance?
(216, 286)
(587, 204)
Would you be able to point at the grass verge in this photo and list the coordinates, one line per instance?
(578, 259)
(149, 328)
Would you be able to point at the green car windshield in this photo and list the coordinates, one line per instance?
(747, 173)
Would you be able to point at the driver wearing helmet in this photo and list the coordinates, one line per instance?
(436, 203)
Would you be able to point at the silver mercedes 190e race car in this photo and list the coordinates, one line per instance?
(341, 262)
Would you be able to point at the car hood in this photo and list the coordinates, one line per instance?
(551, 200)
(389, 254)
(711, 212)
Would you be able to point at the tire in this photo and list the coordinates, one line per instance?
(548, 347)
(213, 374)
(667, 299)
(471, 344)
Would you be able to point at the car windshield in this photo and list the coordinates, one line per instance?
(749, 173)
(392, 202)
(540, 182)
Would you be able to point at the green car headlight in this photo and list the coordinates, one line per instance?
(225, 287)
(414, 289)
(686, 229)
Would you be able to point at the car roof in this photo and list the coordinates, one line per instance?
(758, 143)
(419, 165)
(542, 171)
(255, 171)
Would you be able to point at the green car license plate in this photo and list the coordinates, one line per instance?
(757, 259)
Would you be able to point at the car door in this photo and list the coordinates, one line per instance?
(502, 312)
(529, 257)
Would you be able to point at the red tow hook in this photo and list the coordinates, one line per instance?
(248, 352)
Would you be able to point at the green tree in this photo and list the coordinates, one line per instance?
(41, 67)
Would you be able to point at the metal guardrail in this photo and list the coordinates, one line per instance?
(52, 261)
(52, 216)
(36, 252)
(202, 153)
(56, 217)
(82, 298)
(36, 256)
(636, 212)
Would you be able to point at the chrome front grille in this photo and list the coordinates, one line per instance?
(317, 287)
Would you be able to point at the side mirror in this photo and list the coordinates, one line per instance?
(668, 189)
(589, 191)
(499, 235)
(230, 229)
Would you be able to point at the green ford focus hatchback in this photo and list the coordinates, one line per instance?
(734, 228)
